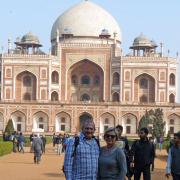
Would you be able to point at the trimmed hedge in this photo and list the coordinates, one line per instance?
(27, 141)
(5, 148)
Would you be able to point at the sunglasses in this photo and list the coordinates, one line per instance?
(110, 136)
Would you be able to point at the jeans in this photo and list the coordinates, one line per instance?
(21, 147)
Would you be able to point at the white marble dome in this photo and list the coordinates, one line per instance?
(86, 19)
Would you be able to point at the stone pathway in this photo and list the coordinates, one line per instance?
(17, 166)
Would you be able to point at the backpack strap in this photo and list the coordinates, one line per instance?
(97, 141)
(76, 143)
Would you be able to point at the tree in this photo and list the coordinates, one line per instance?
(154, 117)
(158, 123)
(9, 127)
(144, 121)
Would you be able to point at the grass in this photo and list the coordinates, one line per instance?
(5, 147)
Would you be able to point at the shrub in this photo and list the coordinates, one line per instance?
(5, 148)
(9, 127)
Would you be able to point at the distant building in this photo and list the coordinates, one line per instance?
(86, 75)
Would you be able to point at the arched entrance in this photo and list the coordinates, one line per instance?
(144, 89)
(26, 83)
(84, 117)
(85, 82)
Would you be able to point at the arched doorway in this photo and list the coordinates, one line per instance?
(19, 121)
(85, 77)
(63, 122)
(26, 83)
(144, 89)
(84, 117)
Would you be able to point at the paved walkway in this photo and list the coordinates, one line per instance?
(17, 166)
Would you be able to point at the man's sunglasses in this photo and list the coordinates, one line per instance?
(110, 136)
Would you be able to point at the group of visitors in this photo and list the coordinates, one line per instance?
(85, 159)
(17, 139)
(60, 141)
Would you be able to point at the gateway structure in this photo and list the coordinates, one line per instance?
(86, 75)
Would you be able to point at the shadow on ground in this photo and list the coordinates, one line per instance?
(54, 174)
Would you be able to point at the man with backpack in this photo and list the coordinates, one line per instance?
(122, 143)
(173, 162)
(82, 153)
(143, 154)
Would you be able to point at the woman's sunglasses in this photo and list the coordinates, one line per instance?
(110, 136)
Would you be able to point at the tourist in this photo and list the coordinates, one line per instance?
(82, 153)
(21, 141)
(59, 140)
(161, 140)
(37, 148)
(54, 139)
(143, 153)
(173, 162)
(43, 138)
(112, 160)
(122, 143)
(31, 141)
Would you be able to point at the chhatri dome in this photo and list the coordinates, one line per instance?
(86, 19)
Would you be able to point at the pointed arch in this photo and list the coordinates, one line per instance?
(115, 97)
(172, 123)
(26, 85)
(172, 79)
(106, 120)
(55, 77)
(19, 121)
(129, 123)
(116, 78)
(41, 121)
(90, 77)
(144, 88)
(63, 122)
(172, 98)
(54, 96)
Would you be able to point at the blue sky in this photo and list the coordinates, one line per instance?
(157, 19)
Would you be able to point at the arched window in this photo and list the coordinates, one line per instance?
(63, 124)
(96, 80)
(106, 121)
(115, 97)
(85, 97)
(143, 99)
(55, 77)
(27, 97)
(171, 122)
(41, 123)
(172, 80)
(143, 83)
(74, 80)
(106, 124)
(27, 81)
(172, 98)
(128, 121)
(85, 80)
(19, 119)
(116, 78)
(54, 96)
